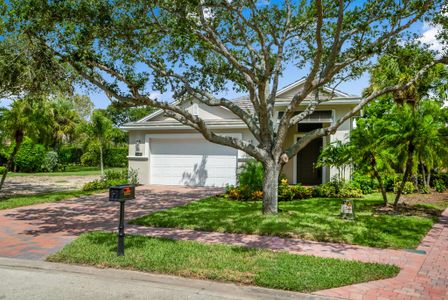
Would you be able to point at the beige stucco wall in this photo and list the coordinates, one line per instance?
(142, 163)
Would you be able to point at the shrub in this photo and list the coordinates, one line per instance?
(250, 177)
(257, 195)
(133, 176)
(50, 162)
(116, 157)
(439, 176)
(365, 183)
(325, 190)
(234, 193)
(439, 185)
(30, 157)
(2, 170)
(102, 184)
(337, 189)
(390, 181)
(115, 175)
(409, 187)
(111, 178)
(69, 155)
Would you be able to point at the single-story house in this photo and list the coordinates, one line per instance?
(166, 152)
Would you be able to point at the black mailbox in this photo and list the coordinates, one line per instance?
(122, 192)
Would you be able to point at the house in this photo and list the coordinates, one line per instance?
(163, 151)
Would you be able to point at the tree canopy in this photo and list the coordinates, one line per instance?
(200, 49)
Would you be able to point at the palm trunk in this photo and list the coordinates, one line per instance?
(428, 178)
(270, 187)
(380, 180)
(407, 172)
(18, 138)
(423, 174)
(101, 160)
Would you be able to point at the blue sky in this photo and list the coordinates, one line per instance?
(291, 74)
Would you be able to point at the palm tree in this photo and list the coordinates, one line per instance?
(15, 123)
(101, 129)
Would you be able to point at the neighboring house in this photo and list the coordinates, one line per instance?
(164, 151)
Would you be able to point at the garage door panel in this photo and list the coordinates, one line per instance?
(192, 162)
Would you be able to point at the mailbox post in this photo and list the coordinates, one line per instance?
(121, 193)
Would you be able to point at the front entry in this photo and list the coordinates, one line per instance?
(307, 172)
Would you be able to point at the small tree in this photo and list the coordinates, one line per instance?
(100, 128)
(336, 154)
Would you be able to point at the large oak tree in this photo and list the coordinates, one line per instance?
(200, 48)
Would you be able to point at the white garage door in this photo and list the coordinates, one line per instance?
(190, 161)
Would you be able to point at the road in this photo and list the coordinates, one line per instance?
(26, 279)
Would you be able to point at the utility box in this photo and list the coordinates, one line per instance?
(121, 193)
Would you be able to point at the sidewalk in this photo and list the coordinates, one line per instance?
(27, 279)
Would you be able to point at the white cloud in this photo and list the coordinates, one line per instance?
(429, 37)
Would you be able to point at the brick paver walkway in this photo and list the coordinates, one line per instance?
(422, 275)
(34, 232)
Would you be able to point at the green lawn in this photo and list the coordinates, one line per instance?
(25, 200)
(265, 268)
(69, 171)
(312, 219)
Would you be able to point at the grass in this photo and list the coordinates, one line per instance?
(264, 268)
(25, 200)
(69, 171)
(312, 219)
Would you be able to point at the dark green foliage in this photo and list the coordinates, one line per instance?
(365, 183)
(250, 178)
(102, 184)
(111, 177)
(409, 187)
(69, 155)
(30, 157)
(113, 157)
(439, 185)
(288, 192)
(337, 189)
(440, 176)
(116, 157)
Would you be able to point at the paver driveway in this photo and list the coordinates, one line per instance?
(33, 232)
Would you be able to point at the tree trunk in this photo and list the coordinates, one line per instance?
(270, 187)
(18, 138)
(101, 160)
(407, 172)
(423, 174)
(380, 180)
(428, 178)
(381, 183)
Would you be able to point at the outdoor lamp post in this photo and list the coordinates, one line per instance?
(121, 193)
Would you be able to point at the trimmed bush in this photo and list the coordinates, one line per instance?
(250, 178)
(111, 178)
(50, 162)
(439, 185)
(409, 187)
(365, 183)
(338, 189)
(30, 157)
